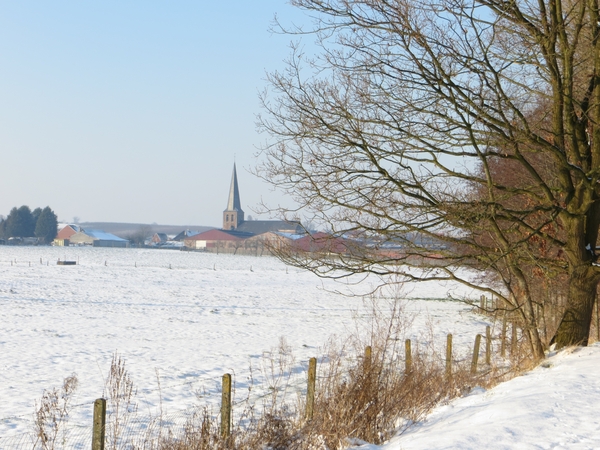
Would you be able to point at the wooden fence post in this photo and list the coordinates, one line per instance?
(513, 341)
(449, 356)
(482, 302)
(407, 357)
(503, 337)
(367, 360)
(475, 354)
(99, 424)
(310, 392)
(488, 345)
(226, 406)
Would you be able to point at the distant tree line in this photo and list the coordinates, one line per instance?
(22, 222)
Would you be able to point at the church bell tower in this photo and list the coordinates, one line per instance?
(233, 216)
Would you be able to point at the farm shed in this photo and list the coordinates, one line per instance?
(271, 241)
(98, 238)
(185, 234)
(159, 238)
(67, 231)
(320, 243)
(215, 240)
(265, 226)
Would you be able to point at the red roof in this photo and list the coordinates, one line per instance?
(217, 235)
(320, 242)
(66, 232)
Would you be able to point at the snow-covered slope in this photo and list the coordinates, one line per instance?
(554, 406)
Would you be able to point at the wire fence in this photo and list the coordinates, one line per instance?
(280, 383)
(144, 430)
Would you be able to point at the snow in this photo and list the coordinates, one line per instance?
(551, 407)
(181, 320)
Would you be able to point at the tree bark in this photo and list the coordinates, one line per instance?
(574, 328)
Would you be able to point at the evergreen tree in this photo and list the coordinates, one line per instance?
(47, 225)
(35, 214)
(20, 223)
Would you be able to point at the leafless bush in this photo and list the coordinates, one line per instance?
(52, 414)
(121, 405)
(360, 396)
(364, 399)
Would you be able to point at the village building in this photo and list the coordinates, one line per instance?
(159, 238)
(239, 235)
(233, 216)
(270, 242)
(217, 240)
(62, 239)
(185, 234)
(320, 243)
(97, 238)
(67, 231)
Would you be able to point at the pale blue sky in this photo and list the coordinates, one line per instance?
(132, 111)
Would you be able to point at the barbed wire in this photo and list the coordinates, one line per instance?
(144, 428)
(139, 265)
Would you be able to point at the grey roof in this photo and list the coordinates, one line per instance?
(102, 235)
(233, 203)
(264, 226)
(186, 233)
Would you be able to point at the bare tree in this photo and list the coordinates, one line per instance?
(392, 132)
(138, 238)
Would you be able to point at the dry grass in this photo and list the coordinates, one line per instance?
(121, 405)
(357, 400)
(52, 414)
(368, 398)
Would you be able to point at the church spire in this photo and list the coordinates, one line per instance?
(233, 216)
(234, 204)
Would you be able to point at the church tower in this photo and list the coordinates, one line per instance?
(233, 216)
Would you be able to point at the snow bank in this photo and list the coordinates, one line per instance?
(554, 406)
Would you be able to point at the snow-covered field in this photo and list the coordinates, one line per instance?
(181, 320)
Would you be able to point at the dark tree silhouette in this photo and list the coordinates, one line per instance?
(20, 223)
(47, 226)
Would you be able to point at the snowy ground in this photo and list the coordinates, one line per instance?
(188, 317)
(554, 406)
(184, 319)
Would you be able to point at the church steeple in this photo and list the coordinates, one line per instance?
(233, 216)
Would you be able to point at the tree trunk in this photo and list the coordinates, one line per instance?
(535, 342)
(531, 325)
(574, 327)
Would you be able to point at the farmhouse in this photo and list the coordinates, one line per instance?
(185, 234)
(97, 238)
(67, 231)
(159, 238)
(217, 240)
(63, 236)
(321, 243)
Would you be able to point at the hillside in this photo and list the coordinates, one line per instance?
(553, 406)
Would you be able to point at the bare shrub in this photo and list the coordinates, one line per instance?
(367, 398)
(201, 432)
(51, 416)
(121, 405)
(358, 400)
